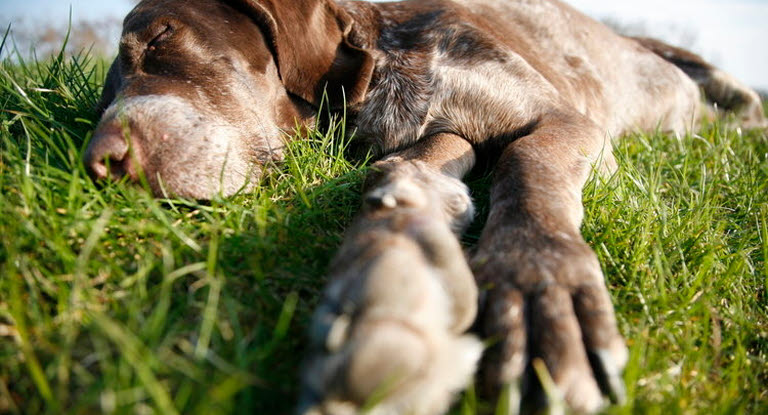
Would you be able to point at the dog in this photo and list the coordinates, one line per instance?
(202, 92)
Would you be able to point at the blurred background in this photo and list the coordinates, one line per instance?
(730, 33)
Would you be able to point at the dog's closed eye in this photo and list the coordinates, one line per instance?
(165, 33)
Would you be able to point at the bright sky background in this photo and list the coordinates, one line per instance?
(731, 33)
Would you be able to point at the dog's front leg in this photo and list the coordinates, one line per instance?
(547, 307)
(388, 333)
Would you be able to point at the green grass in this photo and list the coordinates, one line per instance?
(114, 302)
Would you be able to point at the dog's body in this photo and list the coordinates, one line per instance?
(531, 86)
(439, 62)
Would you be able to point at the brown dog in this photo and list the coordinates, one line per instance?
(202, 91)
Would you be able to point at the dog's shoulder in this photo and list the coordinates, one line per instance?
(441, 67)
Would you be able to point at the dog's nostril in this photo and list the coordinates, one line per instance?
(107, 156)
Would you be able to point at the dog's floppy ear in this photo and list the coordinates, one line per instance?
(313, 53)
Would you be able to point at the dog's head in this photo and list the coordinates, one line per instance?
(202, 91)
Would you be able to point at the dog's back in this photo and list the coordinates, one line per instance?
(526, 57)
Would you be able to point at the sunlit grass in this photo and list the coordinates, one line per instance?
(112, 301)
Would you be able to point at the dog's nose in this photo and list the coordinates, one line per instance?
(108, 155)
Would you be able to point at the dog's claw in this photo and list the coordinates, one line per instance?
(608, 375)
(381, 200)
(338, 333)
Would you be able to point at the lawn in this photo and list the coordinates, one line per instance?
(112, 301)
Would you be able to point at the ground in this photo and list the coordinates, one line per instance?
(112, 301)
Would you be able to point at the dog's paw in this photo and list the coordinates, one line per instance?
(731, 94)
(416, 185)
(388, 367)
(387, 336)
(551, 318)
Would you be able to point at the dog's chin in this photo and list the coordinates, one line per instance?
(218, 171)
(201, 186)
(215, 172)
